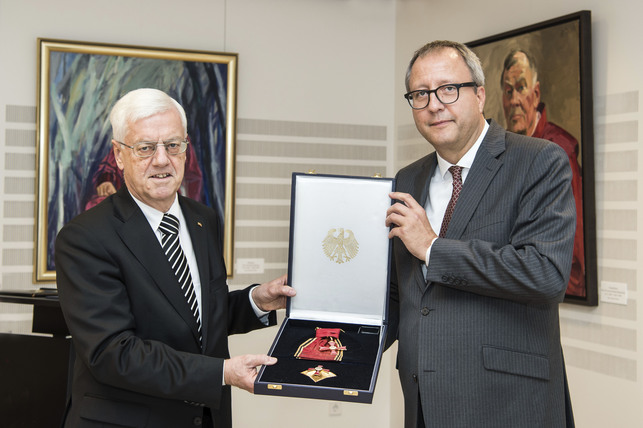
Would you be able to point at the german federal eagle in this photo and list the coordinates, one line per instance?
(340, 247)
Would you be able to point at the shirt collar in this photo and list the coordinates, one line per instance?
(155, 216)
(467, 160)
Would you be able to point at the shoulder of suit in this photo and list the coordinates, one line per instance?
(97, 218)
(190, 203)
(196, 207)
(502, 143)
(530, 149)
(529, 143)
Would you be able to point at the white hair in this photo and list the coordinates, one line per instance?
(139, 104)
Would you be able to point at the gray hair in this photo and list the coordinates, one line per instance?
(510, 61)
(140, 104)
(470, 58)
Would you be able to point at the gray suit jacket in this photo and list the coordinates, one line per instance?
(138, 359)
(480, 342)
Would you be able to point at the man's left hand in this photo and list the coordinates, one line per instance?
(272, 295)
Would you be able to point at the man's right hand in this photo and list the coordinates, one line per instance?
(241, 371)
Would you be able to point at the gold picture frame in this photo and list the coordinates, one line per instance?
(78, 82)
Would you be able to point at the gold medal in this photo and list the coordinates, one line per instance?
(318, 373)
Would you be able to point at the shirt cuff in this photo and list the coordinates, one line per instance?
(262, 315)
(428, 253)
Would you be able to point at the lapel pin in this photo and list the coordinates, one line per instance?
(199, 223)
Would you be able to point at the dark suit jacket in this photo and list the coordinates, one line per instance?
(480, 342)
(138, 360)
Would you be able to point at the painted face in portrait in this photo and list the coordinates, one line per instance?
(451, 128)
(520, 96)
(154, 180)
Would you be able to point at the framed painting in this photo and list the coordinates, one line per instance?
(79, 82)
(539, 83)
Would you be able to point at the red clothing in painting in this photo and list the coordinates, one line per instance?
(564, 139)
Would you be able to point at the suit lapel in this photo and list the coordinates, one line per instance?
(423, 179)
(485, 166)
(141, 240)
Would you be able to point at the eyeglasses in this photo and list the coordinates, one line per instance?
(446, 94)
(145, 149)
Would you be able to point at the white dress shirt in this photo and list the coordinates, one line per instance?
(154, 217)
(441, 187)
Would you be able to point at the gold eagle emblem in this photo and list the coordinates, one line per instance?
(340, 246)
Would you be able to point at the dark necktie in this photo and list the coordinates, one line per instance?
(456, 172)
(172, 247)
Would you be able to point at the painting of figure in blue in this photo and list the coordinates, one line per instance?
(82, 89)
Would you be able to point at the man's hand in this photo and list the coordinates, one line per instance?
(241, 371)
(412, 225)
(272, 295)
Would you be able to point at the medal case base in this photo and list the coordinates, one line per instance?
(355, 374)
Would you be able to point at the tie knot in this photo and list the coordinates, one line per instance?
(456, 172)
(169, 224)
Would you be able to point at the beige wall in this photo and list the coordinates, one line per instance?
(320, 86)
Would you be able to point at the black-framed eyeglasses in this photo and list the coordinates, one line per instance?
(145, 149)
(446, 94)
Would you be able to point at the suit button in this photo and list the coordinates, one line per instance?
(415, 378)
(445, 278)
(197, 421)
(425, 311)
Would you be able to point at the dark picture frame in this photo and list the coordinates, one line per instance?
(561, 48)
(79, 82)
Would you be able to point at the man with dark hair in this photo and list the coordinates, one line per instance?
(483, 231)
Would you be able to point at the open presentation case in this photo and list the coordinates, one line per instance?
(331, 341)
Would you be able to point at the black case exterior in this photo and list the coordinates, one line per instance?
(356, 374)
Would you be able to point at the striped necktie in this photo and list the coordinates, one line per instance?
(172, 247)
